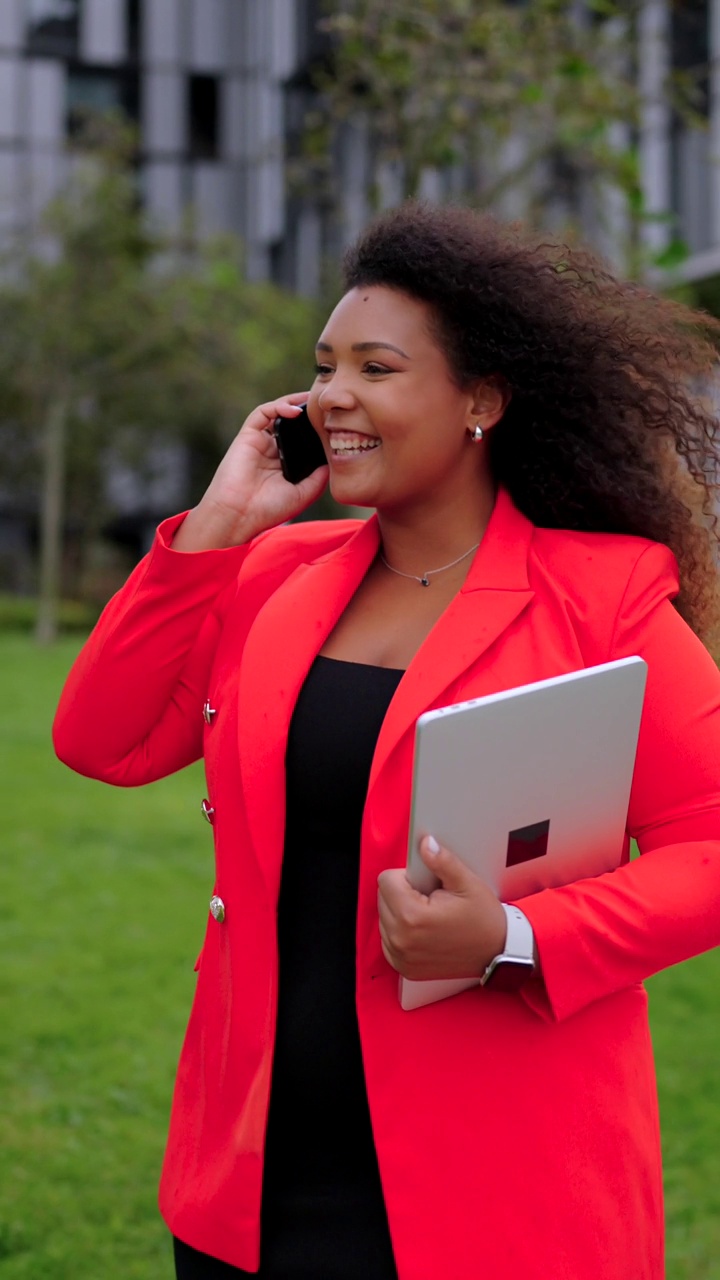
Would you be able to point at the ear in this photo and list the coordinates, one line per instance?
(490, 399)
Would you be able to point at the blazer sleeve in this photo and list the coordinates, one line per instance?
(599, 935)
(131, 709)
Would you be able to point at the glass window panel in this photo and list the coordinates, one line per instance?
(89, 92)
(52, 26)
(203, 117)
(133, 28)
(691, 48)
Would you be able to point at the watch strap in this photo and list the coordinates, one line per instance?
(509, 970)
(520, 939)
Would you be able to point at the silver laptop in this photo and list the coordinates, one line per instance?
(530, 787)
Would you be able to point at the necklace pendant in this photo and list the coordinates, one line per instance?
(424, 581)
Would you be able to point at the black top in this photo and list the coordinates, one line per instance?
(323, 1215)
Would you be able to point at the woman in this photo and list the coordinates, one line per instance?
(515, 416)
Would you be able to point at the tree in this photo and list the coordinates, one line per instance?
(118, 337)
(521, 107)
(70, 301)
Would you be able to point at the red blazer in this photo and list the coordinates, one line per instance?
(517, 1135)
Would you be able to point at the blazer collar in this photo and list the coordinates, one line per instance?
(282, 644)
(496, 590)
(501, 561)
(292, 627)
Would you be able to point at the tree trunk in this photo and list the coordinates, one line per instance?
(51, 521)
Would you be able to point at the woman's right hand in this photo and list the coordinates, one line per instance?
(248, 492)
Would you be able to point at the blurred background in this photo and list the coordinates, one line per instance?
(178, 179)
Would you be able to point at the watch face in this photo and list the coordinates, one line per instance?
(507, 973)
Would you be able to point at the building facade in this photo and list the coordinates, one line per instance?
(681, 162)
(219, 90)
(209, 84)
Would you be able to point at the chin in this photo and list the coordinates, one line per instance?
(349, 495)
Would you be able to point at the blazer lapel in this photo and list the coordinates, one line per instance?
(280, 648)
(294, 623)
(494, 594)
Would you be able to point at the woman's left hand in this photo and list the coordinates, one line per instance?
(453, 932)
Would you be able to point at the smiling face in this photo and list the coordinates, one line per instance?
(393, 422)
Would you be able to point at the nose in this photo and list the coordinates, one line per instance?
(337, 393)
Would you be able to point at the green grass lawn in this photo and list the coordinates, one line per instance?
(103, 900)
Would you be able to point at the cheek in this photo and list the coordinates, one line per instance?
(313, 405)
(433, 417)
(433, 443)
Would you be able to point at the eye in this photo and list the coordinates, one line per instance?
(376, 369)
(323, 370)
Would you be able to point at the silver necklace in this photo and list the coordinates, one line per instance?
(425, 579)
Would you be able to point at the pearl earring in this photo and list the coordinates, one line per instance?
(477, 435)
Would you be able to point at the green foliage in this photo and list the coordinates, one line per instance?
(103, 900)
(19, 613)
(442, 78)
(117, 337)
(446, 84)
(142, 338)
(672, 255)
(702, 294)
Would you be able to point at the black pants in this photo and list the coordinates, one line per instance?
(191, 1265)
(356, 1255)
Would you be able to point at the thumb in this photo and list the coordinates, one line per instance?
(312, 486)
(452, 873)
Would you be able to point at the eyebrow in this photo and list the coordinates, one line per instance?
(365, 346)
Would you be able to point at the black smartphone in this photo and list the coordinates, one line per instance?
(299, 447)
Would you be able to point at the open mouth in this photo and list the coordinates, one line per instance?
(346, 444)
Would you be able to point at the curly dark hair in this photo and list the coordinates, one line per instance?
(607, 428)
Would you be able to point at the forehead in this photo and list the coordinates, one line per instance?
(376, 313)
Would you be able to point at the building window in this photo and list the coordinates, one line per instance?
(133, 28)
(92, 92)
(52, 27)
(690, 46)
(315, 45)
(203, 117)
(691, 159)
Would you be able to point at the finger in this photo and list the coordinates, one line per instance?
(284, 406)
(390, 917)
(267, 443)
(294, 400)
(389, 951)
(450, 870)
(386, 916)
(388, 955)
(309, 489)
(393, 889)
(262, 418)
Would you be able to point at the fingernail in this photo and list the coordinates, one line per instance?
(432, 845)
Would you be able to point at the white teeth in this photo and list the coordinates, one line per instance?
(353, 446)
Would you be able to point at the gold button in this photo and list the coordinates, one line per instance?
(208, 811)
(217, 909)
